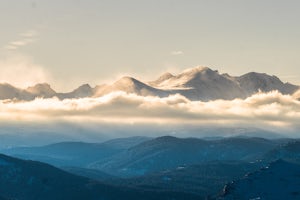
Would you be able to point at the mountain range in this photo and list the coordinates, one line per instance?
(141, 156)
(199, 83)
(154, 168)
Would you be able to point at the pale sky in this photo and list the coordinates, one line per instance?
(71, 42)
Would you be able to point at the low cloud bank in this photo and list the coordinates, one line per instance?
(271, 110)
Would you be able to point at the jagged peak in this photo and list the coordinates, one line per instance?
(260, 76)
(84, 86)
(4, 84)
(165, 76)
(226, 75)
(127, 80)
(40, 87)
(255, 74)
(198, 69)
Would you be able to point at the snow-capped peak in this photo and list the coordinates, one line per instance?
(196, 70)
(126, 81)
(165, 76)
(161, 79)
(183, 79)
(129, 85)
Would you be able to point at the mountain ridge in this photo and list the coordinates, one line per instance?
(199, 83)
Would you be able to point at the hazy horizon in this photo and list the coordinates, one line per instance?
(66, 43)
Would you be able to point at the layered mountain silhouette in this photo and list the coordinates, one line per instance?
(199, 83)
(154, 168)
(76, 154)
(170, 152)
(135, 156)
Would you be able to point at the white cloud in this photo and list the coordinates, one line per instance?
(271, 110)
(20, 43)
(21, 71)
(175, 53)
(27, 38)
(11, 47)
(30, 33)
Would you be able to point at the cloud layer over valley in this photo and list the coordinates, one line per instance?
(271, 111)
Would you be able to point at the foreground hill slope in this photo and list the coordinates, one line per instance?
(281, 180)
(29, 180)
(289, 152)
(204, 179)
